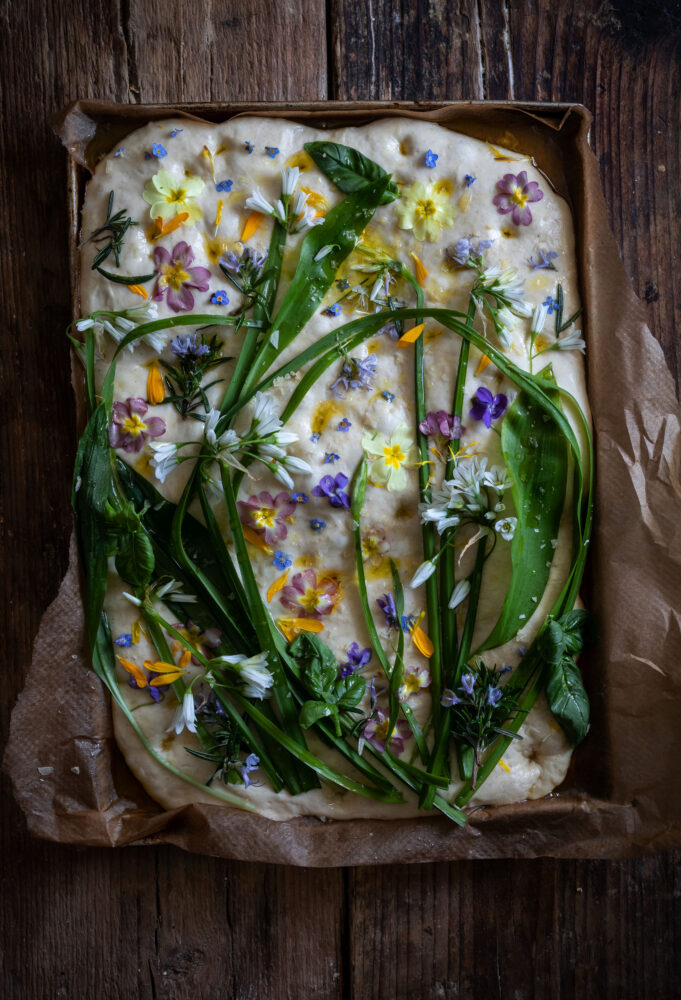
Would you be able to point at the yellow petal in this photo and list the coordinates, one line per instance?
(291, 627)
(136, 632)
(133, 669)
(422, 641)
(155, 391)
(421, 273)
(160, 667)
(185, 659)
(255, 539)
(218, 214)
(502, 763)
(139, 290)
(252, 225)
(166, 679)
(482, 364)
(498, 155)
(163, 228)
(411, 336)
(315, 198)
(278, 585)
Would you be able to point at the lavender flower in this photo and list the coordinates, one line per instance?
(356, 373)
(333, 489)
(487, 407)
(357, 659)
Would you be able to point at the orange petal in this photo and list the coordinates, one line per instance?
(482, 364)
(421, 273)
(155, 391)
(291, 627)
(134, 670)
(185, 659)
(166, 679)
(315, 199)
(252, 225)
(159, 667)
(411, 336)
(255, 539)
(278, 585)
(171, 225)
(422, 641)
(138, 290)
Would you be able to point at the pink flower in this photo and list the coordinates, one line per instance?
(515, 193)
(267, 515)
(129, 430)
(413, 680)
(176, 277)
(309, 597)
(443, 423)
(376, 733)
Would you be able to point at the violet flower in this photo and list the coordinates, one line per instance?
(357, 658)
(515, 192)
(129, 430)
(177, 277)
(487, 407)
(334, 489)
(387, 606)
(442, 423)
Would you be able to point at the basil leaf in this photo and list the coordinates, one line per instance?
(313, 711)
(135, 559)
(350, 691)
(314, 664)
(536, 455)
(552, 643)
(579, 629)
(349, 169)
(568, 700)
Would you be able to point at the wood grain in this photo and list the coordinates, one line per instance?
(161, 924)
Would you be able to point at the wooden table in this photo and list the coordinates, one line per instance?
(157, 923)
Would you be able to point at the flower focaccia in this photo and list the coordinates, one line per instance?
(324, 485)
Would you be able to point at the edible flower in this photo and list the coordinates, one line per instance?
(389, 609)
(185, 716)
(281, 559)
(309, 597)
(357, 659)
(390, 458)
(439, 423)
(431, 158)
(176, 277)
(167, 196)
(487, 407)
(545, 261)
(333, 489)
(266, 515)
(220, 298)
(426, 209)
(515, 193)
(271, 151)
(155, 390)
(129, 430)
(225, 185)
(413, 680)
(356, 373)
(377, 732)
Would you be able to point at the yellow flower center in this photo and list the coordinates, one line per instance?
(310, 600)
(425, 207)
(264, 517)
(134, 425)
(394, 456)
(412, 683)
(518, 198)
(381, 731)
(174, 275)
(176, 197)
(370, 547)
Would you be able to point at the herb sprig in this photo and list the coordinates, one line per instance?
(115, 228)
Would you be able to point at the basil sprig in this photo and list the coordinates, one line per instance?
(315, 666)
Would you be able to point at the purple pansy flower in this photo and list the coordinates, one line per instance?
(515, 192)
(189, 348)
(487, 407)
(442, 423)
(177, 277)
(376, 732)
(129, 429)
(334, 489)
(387, 606)
(357, 658)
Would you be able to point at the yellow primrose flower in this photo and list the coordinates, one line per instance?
(390, 458)
(426, 209)
(169, 196)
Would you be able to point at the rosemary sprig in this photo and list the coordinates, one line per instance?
(113, 231)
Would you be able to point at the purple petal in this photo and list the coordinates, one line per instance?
(161, 257)
(484, 395)
(182, 252)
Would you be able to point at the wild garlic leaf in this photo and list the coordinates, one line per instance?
(536, 455)
(568, 700)
(349, 169)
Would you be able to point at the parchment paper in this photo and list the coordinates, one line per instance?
(622, 796)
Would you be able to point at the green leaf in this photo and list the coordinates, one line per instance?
(568, 700)
(350, 691)
(126, 279)
(536, 455)
(349, 169)
(566, 635)
(313, 711)
(135, 559)
(313, 663)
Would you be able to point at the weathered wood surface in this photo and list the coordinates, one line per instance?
(162, 924)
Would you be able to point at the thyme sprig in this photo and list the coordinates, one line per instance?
(114, 227)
